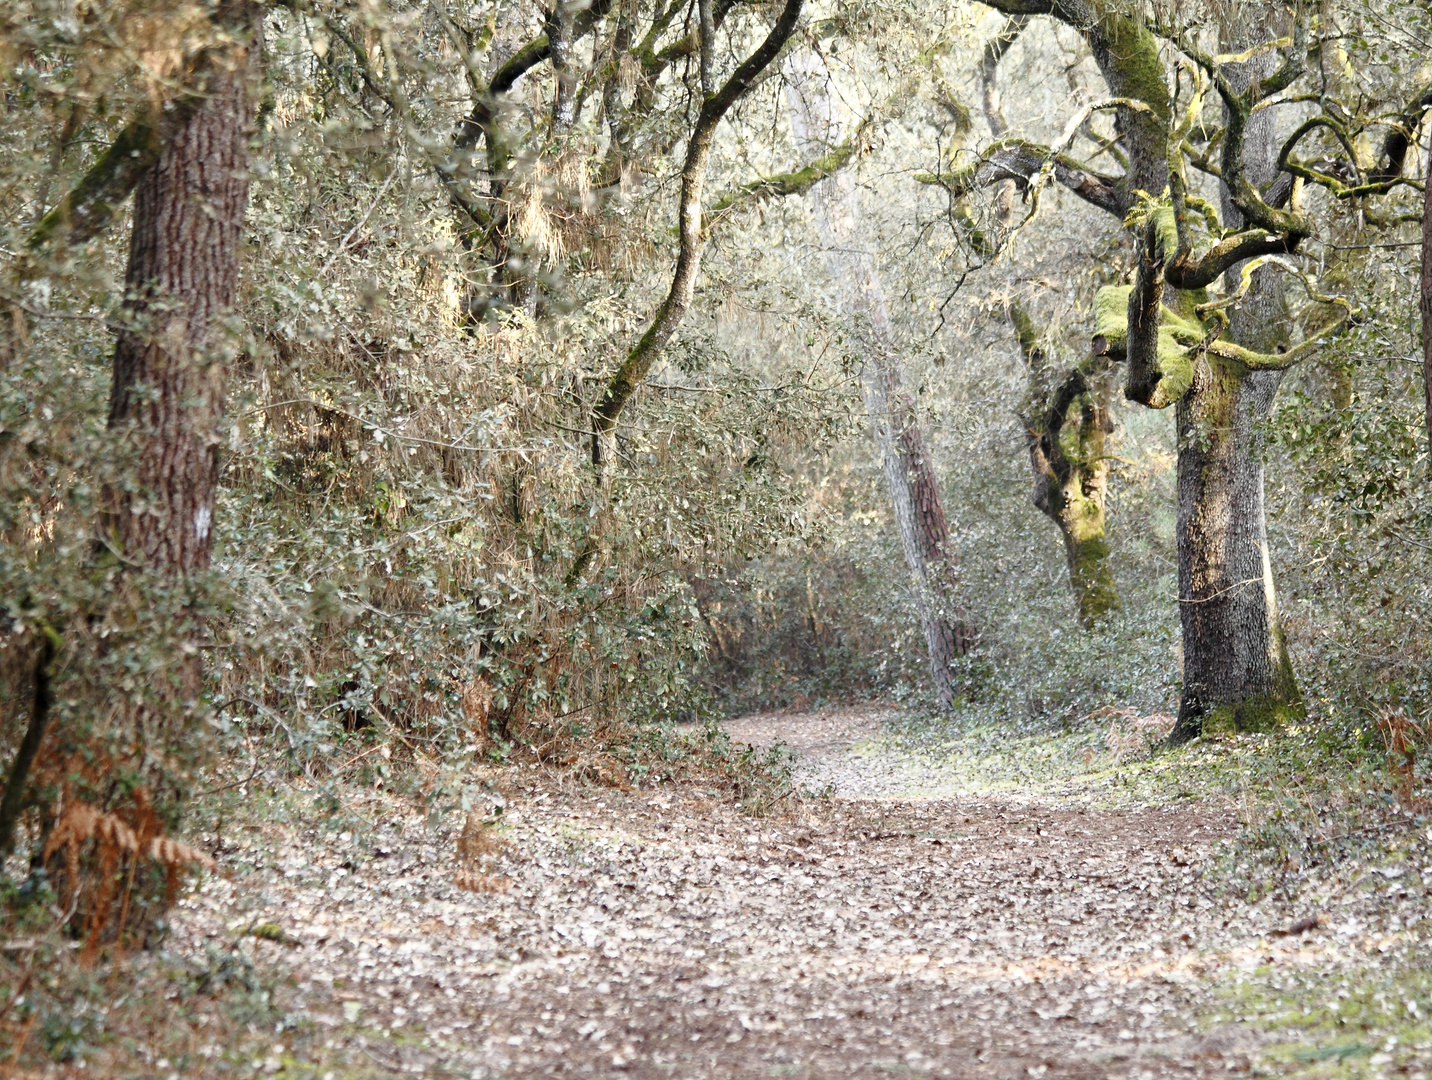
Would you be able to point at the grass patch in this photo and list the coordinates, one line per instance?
(1351, 1016)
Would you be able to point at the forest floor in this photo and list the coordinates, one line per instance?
(912, 914)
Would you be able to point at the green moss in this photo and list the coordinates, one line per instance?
(1024, 328)
(797, 182)
(1165, 231)
(1334, 1023)
(1136, 67)
(1111, 315)
(1175, 366)
(1178, 329)
(1263, 713)
(1093, 581)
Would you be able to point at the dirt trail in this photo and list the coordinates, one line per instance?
(658, 934)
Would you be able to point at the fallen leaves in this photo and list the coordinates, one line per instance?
(659, 933)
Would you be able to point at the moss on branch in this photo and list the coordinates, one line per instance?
(796, 182)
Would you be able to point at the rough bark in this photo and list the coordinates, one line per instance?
(1127, 55)
(894, 421)
(708, 47)
(87, 209)
(1236, 670)
(1066, 426)
(1236, 667)
(561, 35)
(167, 396)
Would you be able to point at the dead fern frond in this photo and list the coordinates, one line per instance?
(478, 849)
(174, 854)
(471, 881)
(479, 839)
(81, 823)
(477, 700)
(1130, 734)
(100, 857)
(1404, 739)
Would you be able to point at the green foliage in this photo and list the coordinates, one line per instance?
(1355, 511)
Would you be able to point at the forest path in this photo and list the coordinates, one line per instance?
(665, 934)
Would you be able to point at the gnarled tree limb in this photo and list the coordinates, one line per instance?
(796, 182)
(668, 316)
(1021, 161)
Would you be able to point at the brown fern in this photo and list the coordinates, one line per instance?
(478, 849)
(1404, 739)
(99, 847)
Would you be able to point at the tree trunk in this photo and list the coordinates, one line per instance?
(167, 397)
(894, 421)
(1070, 468)
(1075, 503)
(1236, 670)
(1237, 674)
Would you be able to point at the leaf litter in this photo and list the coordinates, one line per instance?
(573, 930)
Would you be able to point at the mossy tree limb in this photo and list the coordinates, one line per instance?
(1067, 422)
(1021, 161)
(1127, 54)
(672, 310)
(796, 182)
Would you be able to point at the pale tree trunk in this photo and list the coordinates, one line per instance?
(1236, 670)
(894, 421)
(167, 398)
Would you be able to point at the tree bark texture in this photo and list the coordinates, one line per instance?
(13, 800)
(1066, 426)
(167, 397)
(1127, 55)
(993, 107)
(894, 421)
(1236, 669)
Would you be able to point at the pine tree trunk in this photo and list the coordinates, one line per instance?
(894, 421)
(167, 397)
(1237, 674)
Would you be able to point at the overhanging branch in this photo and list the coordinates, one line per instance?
(1023, 161)
(796, 182)
(668, 316)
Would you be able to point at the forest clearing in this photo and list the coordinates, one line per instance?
(686, 538)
